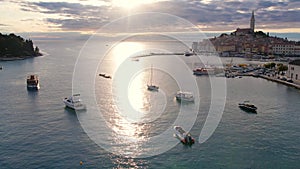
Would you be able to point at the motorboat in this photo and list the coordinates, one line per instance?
(74, 102)
(151, 86)
(187, 53)
(184, 137)
(33, 82)
(184, 96)
(247, 106)
(105, 76)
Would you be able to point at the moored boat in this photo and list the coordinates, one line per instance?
(203, 71)
(247, 106)
(33, 82)
(152, 87)
(187, 53)
(74, 102)
(183, 136)
(184, 96)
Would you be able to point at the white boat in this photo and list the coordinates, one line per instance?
(150, 86)
(184, 96)
(33, 82)
(183, 136)
(74, 102)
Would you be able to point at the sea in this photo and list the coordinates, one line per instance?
(127, 126)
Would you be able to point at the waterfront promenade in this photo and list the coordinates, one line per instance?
(275, 79)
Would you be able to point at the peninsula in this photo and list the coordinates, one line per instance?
(246, 42)
(13, 47)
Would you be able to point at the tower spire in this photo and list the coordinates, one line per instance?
(252, 22)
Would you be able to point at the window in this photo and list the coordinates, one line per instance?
(292, 75)
(292, 68)
(296, 77)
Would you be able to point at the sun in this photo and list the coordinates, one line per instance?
(130, 4)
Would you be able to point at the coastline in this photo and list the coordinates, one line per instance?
(17, 58)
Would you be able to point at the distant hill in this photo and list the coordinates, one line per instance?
(13, 47)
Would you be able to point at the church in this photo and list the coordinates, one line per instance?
(245, 31)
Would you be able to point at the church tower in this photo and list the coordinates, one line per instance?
(252, 22)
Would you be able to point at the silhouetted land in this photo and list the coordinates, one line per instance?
(13, 47)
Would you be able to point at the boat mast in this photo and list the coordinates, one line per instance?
(151, 75)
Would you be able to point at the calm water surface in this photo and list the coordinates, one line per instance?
(37, 131)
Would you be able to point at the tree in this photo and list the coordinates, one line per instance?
(282, 68)
(270, 65)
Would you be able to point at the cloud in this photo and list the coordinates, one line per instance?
(3, 25)
(213, 15)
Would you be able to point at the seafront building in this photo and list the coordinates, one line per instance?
(294, 70)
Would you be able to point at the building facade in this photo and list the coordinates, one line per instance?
(294, 70)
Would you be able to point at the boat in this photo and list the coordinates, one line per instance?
(105, 76)
(247, 106)
(33, 82)
(187, 53)
(203, 71)
(150, 86)
(184, 137)
(74, 102)
(184, 96)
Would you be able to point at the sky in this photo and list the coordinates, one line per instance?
(89, 15)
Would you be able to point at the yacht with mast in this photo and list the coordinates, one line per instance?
(151, 86)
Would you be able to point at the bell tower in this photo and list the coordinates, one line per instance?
(252, 22)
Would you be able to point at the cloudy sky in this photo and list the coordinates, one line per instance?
(90, 15)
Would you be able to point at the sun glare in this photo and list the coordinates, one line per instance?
(130, 4)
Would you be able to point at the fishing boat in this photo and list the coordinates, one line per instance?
(33, 82)
(74, 102)
(151, 86)
(247, 106)
(184, 96)
(184, 137)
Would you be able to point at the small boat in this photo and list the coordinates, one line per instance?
(152, 87)
(33, 82)
(74, 102)
(187, 53)
(247, 106)
(184, 137)
(203, 71)
(135, 59)
(184, 96)
(105, 76)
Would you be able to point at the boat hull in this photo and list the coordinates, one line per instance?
(33, 87)
(248, 109)
(184, 99)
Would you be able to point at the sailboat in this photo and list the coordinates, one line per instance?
(152, 87)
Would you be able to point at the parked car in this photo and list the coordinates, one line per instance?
(283, 78)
